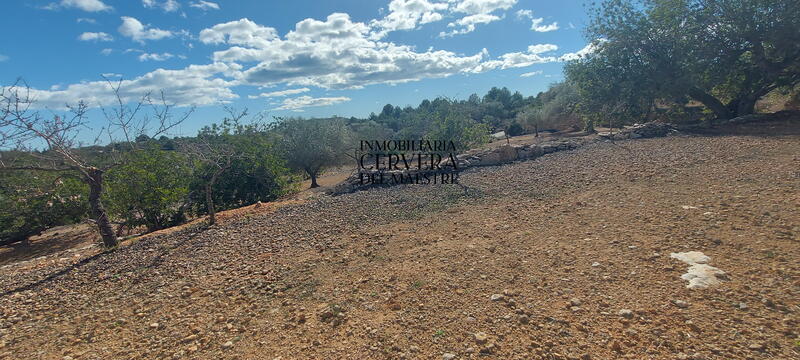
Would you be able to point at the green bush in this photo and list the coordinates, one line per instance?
(150, 189)
(256, 171)
(32, 202)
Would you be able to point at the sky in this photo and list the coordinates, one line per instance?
(286, 58)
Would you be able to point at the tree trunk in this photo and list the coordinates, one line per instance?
(746, 107)
(589, 128)
(212, 219)
(536, 130)
(719, 109)
(95, 182)
(314, 180)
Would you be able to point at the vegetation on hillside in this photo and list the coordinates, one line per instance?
(682, 60)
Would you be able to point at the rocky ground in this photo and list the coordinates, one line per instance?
(562, 257)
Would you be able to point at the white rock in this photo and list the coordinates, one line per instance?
(691, 257)
(448, 356)
(681, 304)
(700, 275)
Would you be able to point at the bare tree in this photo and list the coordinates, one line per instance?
(211, 150)
(25, 128)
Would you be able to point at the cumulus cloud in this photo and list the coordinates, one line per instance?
(85, 5)
(155, 56)
(467, 24)
(95, 36)
(298, 103)
(534, 55)
(335, 53)
(477, 12)
(106, 52)
(532, 73)
(193, 85)
(407, 15)
(537, 23)
(280, 93)
(239, 32)
(86, 20)
(166, 5)
(134, 29)
(483, 6)
(204, 5)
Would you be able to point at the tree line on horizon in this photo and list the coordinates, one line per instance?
(672, 60)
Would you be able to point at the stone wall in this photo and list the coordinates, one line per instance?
(509, 153)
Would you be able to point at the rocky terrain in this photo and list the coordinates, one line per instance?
(572, 255)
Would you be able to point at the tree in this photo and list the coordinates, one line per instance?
(311, 145)
(25, 127)
(460, 129)
(725, 54)
(149, 189)
(245, 153)
(34, 201)
(255, 173)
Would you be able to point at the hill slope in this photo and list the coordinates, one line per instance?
(571, 241)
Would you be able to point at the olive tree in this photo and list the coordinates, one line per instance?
(311, 145)
(725, 54)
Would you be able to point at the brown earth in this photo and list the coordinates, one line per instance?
(569, 239)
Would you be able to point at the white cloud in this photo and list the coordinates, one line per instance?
(522, 59)
(467, 24)
(478, 12)
(106, 52)
(132, 28)
(3, 58)
(95, 36)
(280, 93)
(536, 23)
(86, 20)
(155, 56)
(335, 53)
(240, 32)
(532, 73)
(483, 6)
(193, 85)
(85, 5)
(305, 101)
(204, 5)
(406, 15)
(166, 5)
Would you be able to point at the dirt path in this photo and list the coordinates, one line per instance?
(563, 257)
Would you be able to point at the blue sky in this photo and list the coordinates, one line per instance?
(300, 58)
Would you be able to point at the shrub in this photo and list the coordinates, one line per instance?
(150, 189)
(35, 201)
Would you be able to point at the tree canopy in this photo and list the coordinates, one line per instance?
(725, 54)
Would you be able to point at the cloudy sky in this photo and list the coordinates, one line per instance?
(307, 58)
